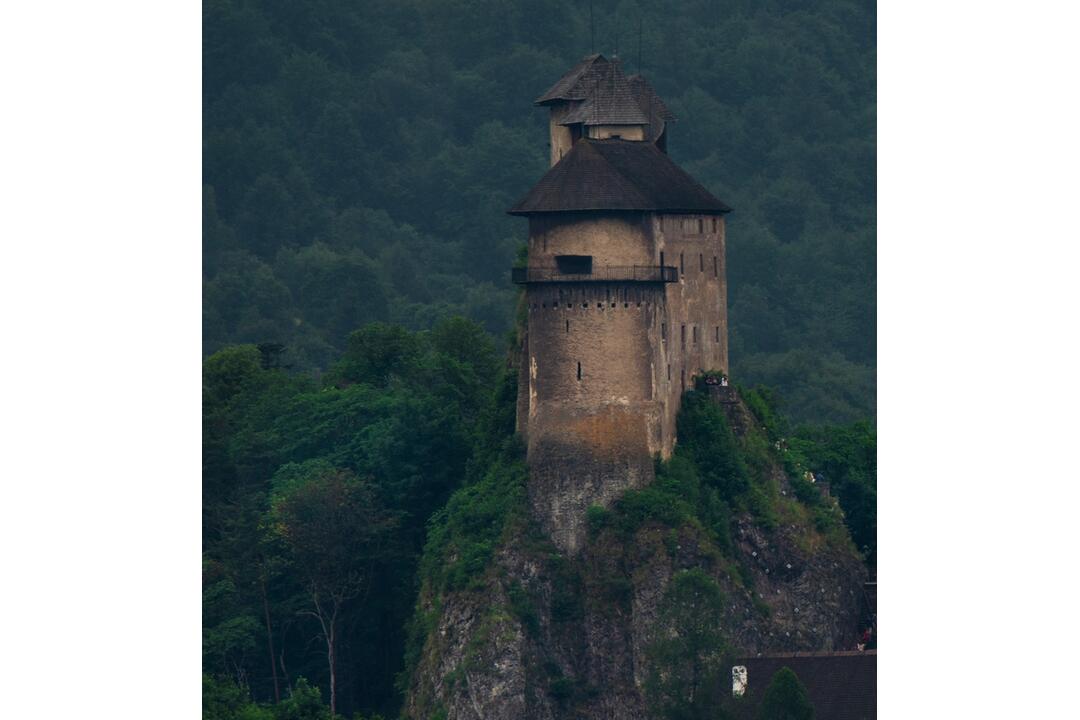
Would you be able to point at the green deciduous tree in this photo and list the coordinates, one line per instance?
(336, 532)
(689, 653)
(785, 698)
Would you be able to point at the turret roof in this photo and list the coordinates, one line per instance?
(600, 93)
(617, 175)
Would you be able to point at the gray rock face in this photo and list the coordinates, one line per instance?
(557, 633)
(573, 645)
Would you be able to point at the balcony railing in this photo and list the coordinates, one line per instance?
(610, 273)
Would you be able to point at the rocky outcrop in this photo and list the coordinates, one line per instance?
(553, 635)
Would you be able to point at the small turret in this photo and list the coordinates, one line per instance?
(597, 100)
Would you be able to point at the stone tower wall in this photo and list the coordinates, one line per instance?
(592, 436)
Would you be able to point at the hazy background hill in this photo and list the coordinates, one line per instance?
(359, 157)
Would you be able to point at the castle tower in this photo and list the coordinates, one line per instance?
(626, 295)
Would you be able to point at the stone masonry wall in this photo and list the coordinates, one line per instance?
(604, 364)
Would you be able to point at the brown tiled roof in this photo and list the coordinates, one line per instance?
(841, 685)
(617, 175)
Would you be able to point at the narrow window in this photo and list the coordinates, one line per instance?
(567, 326)
(669, 371)
(682, 379)
(700, 226)
(701, 262)
(695, 334)
(717, 333)
(715, 267)
(714, 224)
(579, 371)
(683, 336)
(661, 258)
(663, 331)
(682, 265)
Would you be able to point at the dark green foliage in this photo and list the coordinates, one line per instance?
(462, 536)
(785, 698)
(846, 458)
(358, 159)
(707, 441)
(355, 467)
(688, 657)
(304, 703)
(523, 608)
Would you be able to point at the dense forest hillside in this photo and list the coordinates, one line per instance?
(359, 157)
(329, 504)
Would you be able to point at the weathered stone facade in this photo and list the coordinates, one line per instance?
(627, 305)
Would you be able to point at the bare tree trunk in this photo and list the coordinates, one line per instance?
(329, 626)
(270, 640)
(333, 671)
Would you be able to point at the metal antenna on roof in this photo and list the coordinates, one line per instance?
(639, 45)
(592, 29)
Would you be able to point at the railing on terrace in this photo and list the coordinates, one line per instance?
(621, 273)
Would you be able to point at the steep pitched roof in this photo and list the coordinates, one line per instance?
(652, 106)
(610, 101)
(841, 685)
(569, 85)
(599, 94)
(617, 175)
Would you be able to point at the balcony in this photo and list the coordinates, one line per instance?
(610, 273)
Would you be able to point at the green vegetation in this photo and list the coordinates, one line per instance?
(785, 698)
(317, 496)
(690, 656)
(846, 458)
(358, 159)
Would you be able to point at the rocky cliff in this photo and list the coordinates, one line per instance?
(539, 634)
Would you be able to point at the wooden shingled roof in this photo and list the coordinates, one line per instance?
(650, 103)
(841, 685)
(599, 93)
(617, 175)
(570, 85)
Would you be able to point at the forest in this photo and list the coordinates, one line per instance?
(357, 402)
(327, 502)
(359, 158)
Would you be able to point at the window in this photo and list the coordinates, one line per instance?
(682, 265)
(700, 226)
(682, 379)
(714, 224)
(701, 262)
(579, 371)
(669, 371)
(695, 334)
(574, 264)
(663, 331)
(715, 267)
(717, 333)
(683, 340)
(567, 326)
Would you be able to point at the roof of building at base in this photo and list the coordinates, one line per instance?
(617, 175)
(601, 94)
(840, 685)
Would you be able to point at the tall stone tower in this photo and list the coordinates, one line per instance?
(626, 295)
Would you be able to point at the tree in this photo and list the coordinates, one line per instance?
(336, 532)
(786, 698)
(689, 654)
